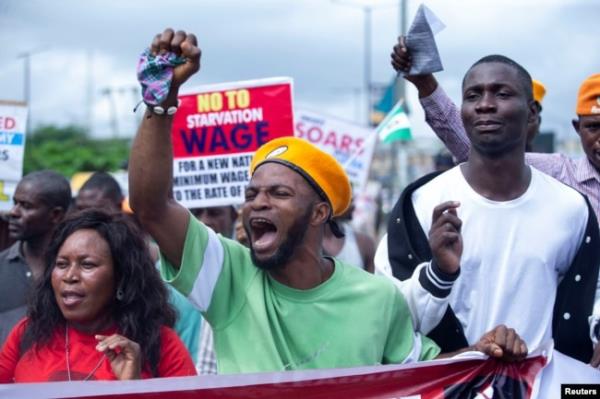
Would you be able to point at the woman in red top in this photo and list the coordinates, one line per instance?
(100, 311)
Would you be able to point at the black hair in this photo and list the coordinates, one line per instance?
(52, 187)
(524, 76)
(106, 184)
(142, 310)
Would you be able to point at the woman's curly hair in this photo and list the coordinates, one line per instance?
(142, 310)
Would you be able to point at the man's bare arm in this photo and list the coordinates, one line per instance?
(151, 161)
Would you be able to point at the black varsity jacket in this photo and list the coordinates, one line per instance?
(408, 247)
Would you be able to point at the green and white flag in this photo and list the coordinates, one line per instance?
(395, 126)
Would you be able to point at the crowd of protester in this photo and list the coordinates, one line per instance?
(494, 254)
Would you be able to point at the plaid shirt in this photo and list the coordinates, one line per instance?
(207, 359)
(444, 118)
(155, 73)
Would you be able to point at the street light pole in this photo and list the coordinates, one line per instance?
(399, 148)
(26, 77)
(400, 87)
(27, 86)
(89, 95)
(27, 81)
(368, 10)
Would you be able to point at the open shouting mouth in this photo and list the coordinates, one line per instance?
(263, 234)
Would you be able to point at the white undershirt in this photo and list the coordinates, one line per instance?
(515, 252)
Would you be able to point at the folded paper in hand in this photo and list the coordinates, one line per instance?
(421, 43)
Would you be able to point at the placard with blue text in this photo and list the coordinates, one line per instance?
(13, 121)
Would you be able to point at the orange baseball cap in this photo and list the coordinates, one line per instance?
(588, 99)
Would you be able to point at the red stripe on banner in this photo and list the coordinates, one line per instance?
(453, 379)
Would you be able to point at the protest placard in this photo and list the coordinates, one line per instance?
(215, 133)
(351, 144)
(13, 121)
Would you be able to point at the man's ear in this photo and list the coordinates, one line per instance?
(575, 123)
(533, 112)
(320, 214)
(57, 214)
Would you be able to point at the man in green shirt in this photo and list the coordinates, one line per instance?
(280, 305)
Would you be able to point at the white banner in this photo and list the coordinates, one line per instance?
(469, 375)
(351, 144)
(13, 120)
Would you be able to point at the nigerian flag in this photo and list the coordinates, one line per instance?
(395, 126)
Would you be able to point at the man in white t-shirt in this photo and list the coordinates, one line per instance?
(523, 231)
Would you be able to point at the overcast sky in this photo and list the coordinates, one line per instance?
(319, 43)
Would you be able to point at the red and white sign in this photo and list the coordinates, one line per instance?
(13, 121)
(215, 133)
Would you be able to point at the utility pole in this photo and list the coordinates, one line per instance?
(400, 148)
(111, 94)
(400, 87)
(368, 12)
(26, 56)
(113, 111)
(27, 78)
(89, 95)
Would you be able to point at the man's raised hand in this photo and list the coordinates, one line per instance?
(444, 237)
(180, 43)
(402, 62)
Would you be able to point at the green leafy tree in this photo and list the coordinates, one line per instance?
(69, 150)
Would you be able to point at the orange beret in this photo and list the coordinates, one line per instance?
(539, 91)
(322, 171)
(588, 99)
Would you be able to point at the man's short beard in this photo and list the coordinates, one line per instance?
(283, 254)
(497, 150)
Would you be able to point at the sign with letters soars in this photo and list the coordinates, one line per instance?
(215, 133)
(351, 144)
(13, 120)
